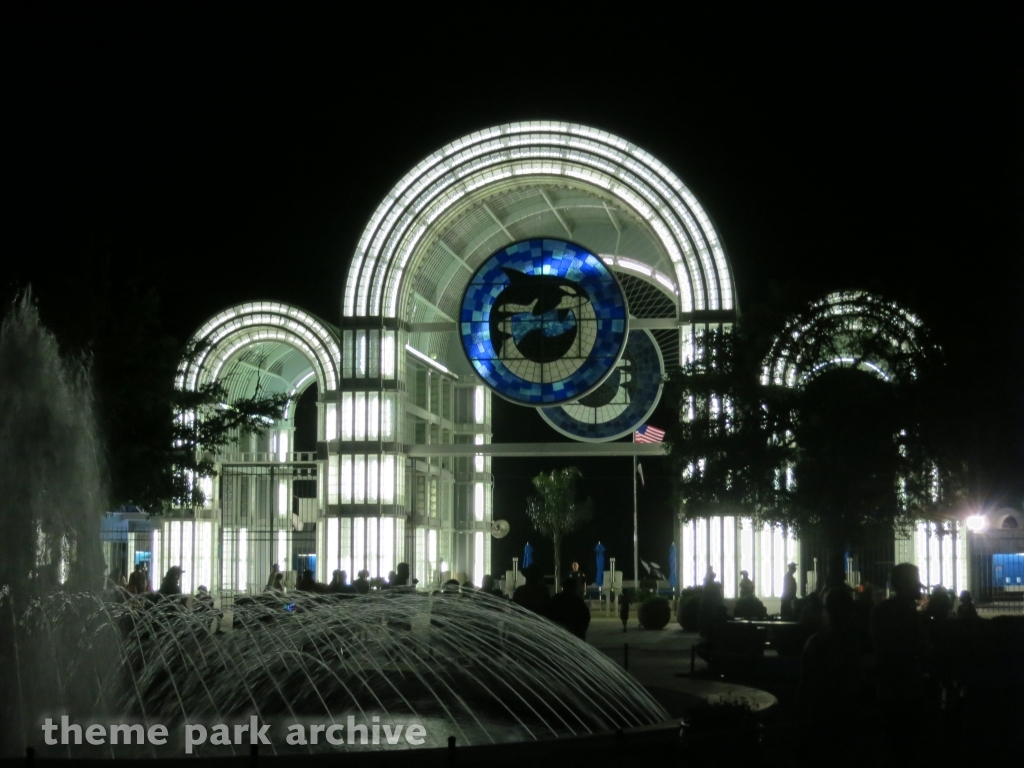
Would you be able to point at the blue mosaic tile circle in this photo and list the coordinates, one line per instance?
(543, 322)
(625, 400)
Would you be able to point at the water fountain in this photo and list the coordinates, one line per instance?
(473, 666)
(466, 665)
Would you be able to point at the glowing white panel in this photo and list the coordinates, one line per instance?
(387, 480)
(730, 575)
(701, 548)
(387, 355)
(478, 501)
(778, 559)
(746, 534)
(346, 480)
(345, 549)
(359, 495)
(373, 416)
(206, 486)
(921, 550)
(478, 459)
(332, 478)
(203, 559)
(764, 555)
(432, 547)
(283, 498)
(421, 567)
(358, 545)
(478, 558)
(686, 564)
(372, 549)
(174, 544)
(399, 539)
(333, 557)
(715, 547)
(372, 478)
(948, 574)
(387, 545)
(185, 560)
(961, 558)
(156, 557)
(478, 405)
(347, 417)
(242, 583)
(387, 417)
(331, 421)
(348, 346)
(360, 354)
(934, 556)
(282, 549)
(360, 416)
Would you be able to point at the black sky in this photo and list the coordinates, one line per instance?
(236, 158)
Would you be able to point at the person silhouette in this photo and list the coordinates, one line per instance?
(533, 595)
(710, 600)
(788, 592)
(897, 634)
(568, 609)
(624, 606)
(578, 580)
(966, 609)
(830, 696)
(171, 584)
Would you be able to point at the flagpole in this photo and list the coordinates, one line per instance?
(636, 544)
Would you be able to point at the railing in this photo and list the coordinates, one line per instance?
(300, 457)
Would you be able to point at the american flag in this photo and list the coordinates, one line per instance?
(648, 434)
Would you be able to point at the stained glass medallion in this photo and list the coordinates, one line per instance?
(623, 401)
(543, 322)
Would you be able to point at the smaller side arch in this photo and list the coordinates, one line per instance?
(851, 329)
(226, 333)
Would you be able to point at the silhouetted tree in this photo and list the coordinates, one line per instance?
(557, 511)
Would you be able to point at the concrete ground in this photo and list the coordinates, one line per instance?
(660, 660)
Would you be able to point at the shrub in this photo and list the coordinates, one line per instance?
(688, 613)
(654, 612)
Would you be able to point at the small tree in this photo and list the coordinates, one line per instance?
(557, 510)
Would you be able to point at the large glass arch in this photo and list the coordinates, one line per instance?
(614, 177)
(848, 329)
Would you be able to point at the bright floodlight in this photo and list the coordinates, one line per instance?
(977, 523)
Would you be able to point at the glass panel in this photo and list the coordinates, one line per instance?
(478, 405)
(387, 545)
(730, 577)
(700, 545)
(331, 425)
(243, 560)
(373, 416)
(387, 480)
(346, 479)
(372, 552)
(387, 417)
(282, 550)
(347, 423)
(359, 497)
(283, 498)
(478, 558)
(387, 358)
(345, 550)
(332, 479)
(372, 478)
(764, 555)
(358, 545)
(360, 354)
(687, 565)
(478, 501)
(360, 416)
(374, 350)
(778, 560)
(347, 355)
(715, 552)
(333, 558)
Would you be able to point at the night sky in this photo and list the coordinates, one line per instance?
(221, 160)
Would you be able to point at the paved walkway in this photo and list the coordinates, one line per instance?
(660, 661)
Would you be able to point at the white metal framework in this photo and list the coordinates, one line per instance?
(853, 329)
(399, 232)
